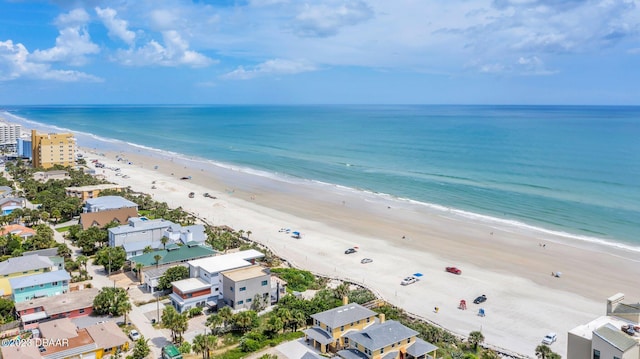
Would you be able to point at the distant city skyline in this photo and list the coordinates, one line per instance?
(581, 52)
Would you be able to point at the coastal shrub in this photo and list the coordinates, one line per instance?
(249, 345)
(361, 296)
(298, 280)
(194, 312)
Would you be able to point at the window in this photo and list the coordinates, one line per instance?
(81, 311)
(54, 283)
(368, 319)
(381, 350)
(249, 300)
(242, 289)
(342, 328)
(264, 282)
(231, 288)
(240, 302)
(596, 354)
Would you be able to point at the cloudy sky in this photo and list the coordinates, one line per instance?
(322, 51)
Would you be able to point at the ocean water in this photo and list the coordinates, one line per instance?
(574, 170)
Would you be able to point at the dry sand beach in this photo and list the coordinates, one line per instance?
(507, 263)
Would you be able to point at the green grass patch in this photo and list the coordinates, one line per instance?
(63, 229)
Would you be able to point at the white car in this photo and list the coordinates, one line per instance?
(366, 260)
(549, 338)
(134, 335)
(409, 280)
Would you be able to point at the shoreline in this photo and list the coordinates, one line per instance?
(508, 264)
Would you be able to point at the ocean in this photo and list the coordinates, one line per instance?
(573, 170)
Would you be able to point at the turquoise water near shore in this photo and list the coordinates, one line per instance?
(567, 169)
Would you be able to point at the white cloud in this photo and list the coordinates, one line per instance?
(15, 64)
(73, 42)
(270, 67)
(175, 52)
(327, 19)
(117, 27)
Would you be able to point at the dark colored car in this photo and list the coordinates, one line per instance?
(480, 299)
(350, 250)
(453, 270)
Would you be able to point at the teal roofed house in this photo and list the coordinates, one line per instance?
(46, 284)
(173, 254)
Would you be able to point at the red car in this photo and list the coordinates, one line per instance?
(453, 270)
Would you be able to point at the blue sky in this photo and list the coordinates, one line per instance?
(330, 51)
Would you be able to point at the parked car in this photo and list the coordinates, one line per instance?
(453, 270)
(480, 299)
(366, 260)
(134, 335)
(350, 250)
(549, 338)
(409, 280)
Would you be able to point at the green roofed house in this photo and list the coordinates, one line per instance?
(172, 255)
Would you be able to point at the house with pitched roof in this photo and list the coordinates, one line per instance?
(23, 266)
(39, 285)
(353, 332)
(93, 191)
(330, 326)
(614, 335)
(98, 212)
(44, 176)
(109, 338)
(18, 230)
(69, 305)
(8, 204)
(388, 340)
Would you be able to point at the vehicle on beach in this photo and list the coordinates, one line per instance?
(134, 335)
(549, 338)
(366, 260)
(453, 270)
(480, 299)
(350, 250)
(208, 195)
(409, 280)
(185, 178)
(192, 194)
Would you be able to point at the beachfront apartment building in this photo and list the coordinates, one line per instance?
(27, 265)
(9, 133)
(98, 212)
(93, 191)
(241, 286)
(71, 305)
(353, 332)
(23, 149)
(52, 149)
(205, 272)
(615, 335)
(39, 285)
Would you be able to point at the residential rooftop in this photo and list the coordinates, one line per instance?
(182, 254)
(58, 329)
(108, 202)
(107, 335)
(245, 273)
(343, 315)
(61, 303)
(228, 261)
(616, 337)
(381, 335)
(138, 224)
(100, 187)
(37, 279)
(24, 264)
(190, 285)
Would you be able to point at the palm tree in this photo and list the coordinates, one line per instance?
(543, 351)
(226, 314)
(164, 241)
(299, 319)
(199, 345)
(275, 324)
(82, 261)
(124, 307)
(210, 343)
(475, 338)
(157, 258)
(213, 321)
(285, 315)
(139, 270)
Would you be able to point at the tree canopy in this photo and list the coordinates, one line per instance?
(171, 275)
